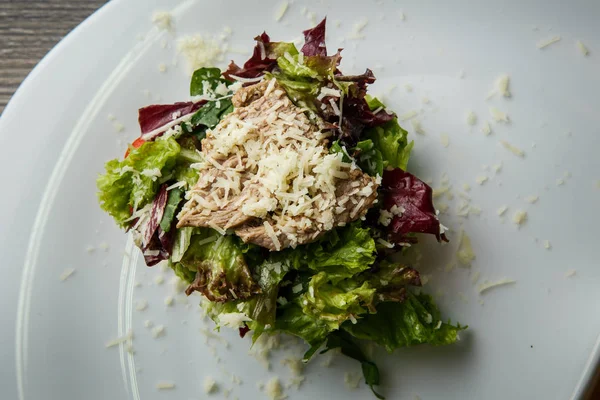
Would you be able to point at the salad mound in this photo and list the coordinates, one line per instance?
(280, 193)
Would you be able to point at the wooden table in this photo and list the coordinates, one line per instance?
(29, 29)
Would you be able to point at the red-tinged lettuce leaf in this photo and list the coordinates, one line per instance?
(414, 196)
(155, 116)
(314, 40)
(156, 214)
(260, 62)
(159, 248)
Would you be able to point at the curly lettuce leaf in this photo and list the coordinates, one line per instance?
(416, 320)
(369, 157)
(221, 270)
(342, 253)
(291, 319)
(132, 183)
(390, 140)
(333, 304)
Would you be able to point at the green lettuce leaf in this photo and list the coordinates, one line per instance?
(210, 75)
(369, 158)
(392, 143)
(211, 113)
(173, 200)
(333, 304)
(291, 319)
(292, 68)
(125, 184)
(413, 321)
(221, 270)
(342, 253)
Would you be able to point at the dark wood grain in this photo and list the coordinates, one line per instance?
(28, 30)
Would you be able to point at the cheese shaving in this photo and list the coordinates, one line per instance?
(471, 118)
(547, 245)
(486, 128)
(498, 115)
(418, 128)
(444, 139)
(163, 20)
(67, 273)
(486, 285)
(501, 211)
(584, 50)
(165, 385)
(125, 338)
(502, 84)
(545, 43)
(570, 273)
(520, 217)
(513, 149)
(465, 253)
(281, 10)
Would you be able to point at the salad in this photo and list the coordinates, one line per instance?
(280, 193)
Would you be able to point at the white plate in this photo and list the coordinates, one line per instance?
(532, 339)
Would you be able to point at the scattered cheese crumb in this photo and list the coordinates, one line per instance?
(200, 51)
(416, 124)
(158, 331)
(486, 128)
(409, 115)
(570, 273)
(547, 245)
(498, 115)
(584, 50)
(119, 127)
(444, 139)
(125, 338)
(162, 67)
(163, 20)
(471, 118)
(401, 16)
(520, 217)
(486, 285)
(425, 100)
(475, 276)
(465, 254)
(104, 246)
(502, 84)
(466, 187)
(141, 305)
(66, 274)
(281, 11)
(497, 167)
(560, 182)
(165, 385)
(274, 389)
(210, 386)
(481, 179)
(169, 301)
(501, 210)
(148, 323)
(408, 88)
(532, 199)
(548, 42)
(513, 149)
(352, 380)
(159, 279)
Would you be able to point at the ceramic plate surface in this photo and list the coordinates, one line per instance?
(534, 338)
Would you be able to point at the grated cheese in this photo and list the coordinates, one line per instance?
(416, 124)
(67, 273)
(545, 43)
(481, 179)
(233, 320)
(520, 217)
(410, 114)
(158, 331)
(352, 380)
(502, 84)
(444, 139)
(274, 389)
(486, 128)
(163, 20)
(471, 118)
(165, 385)
(141, 305)
(162, 67)
(210, 386)
(169, 301)
(200, 51)
(547, 245)
(584, 50)
(486, 285)
(501, 211)
(498, 115)
(281, 10)
(465, 253)
(125, 338)
(570, 273)
(532, 199)
(513, 149)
